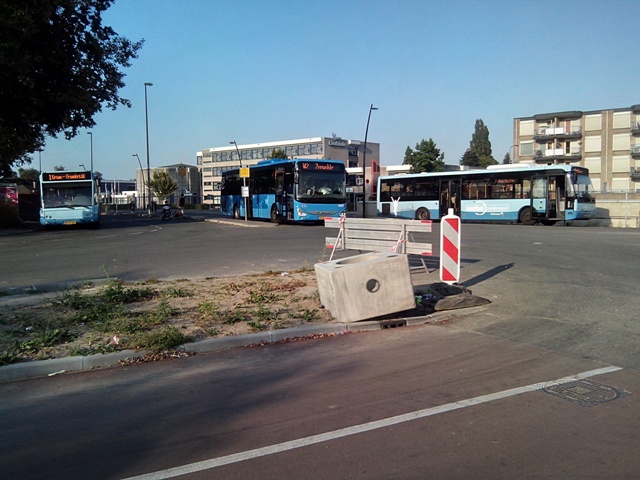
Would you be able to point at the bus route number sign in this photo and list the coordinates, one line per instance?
(244, 172)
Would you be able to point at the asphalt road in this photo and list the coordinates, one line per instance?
(472, 398)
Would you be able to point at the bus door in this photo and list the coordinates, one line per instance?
(539, 197)
(548, 197)
(279, 191)
(449, 197)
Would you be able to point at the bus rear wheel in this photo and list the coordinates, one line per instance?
(423, 214)
(525, 217)
(236, 212)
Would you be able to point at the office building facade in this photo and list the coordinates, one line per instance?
(607, 142)
(213, 161)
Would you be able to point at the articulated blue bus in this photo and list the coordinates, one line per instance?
(69, 198)
(295, 190)
(520, 193)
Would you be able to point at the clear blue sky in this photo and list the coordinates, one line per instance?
(265, 70)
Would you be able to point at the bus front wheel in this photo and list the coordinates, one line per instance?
(236, 212)
(423, 214)
(275, 217)
(525, 217)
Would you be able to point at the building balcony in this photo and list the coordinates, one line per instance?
(635, 173)
(635, 151)
(553, 154)
(635, 128)
(549, 133)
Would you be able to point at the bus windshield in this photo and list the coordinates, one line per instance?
(582, 185)
(321, 187)
(67, 195)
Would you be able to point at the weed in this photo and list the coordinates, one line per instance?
(263, 294)
(231, 317)
(163, 312)
(264, 314)
(75, 300)
(309, 315)
(208, 310)
(8, 357)
(38, 340)
(174, 292)
(100, 313)
(159, 340)
(255, 326)
(116, 292)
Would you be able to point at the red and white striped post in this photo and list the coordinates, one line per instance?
(450, 248)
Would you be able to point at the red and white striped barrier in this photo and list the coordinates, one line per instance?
(450, 248)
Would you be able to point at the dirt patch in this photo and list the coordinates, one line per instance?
(122, 316)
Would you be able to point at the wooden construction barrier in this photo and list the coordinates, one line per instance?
(378, 234)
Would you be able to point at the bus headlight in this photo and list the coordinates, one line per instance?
(301, 212)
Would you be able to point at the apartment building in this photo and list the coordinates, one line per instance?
(607, 142)
(213, 161)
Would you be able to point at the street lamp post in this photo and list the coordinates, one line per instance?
(91, 135)
(146, 120)
(364, 161)
(144, 187)
(244, 179)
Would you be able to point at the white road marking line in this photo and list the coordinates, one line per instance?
(365, 427)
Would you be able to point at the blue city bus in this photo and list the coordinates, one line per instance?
(520, 193)
(69, 198)
(294, 190)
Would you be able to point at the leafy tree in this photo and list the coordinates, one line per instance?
(29, 174)
(479, 152)
(162, 185)
(278, 153)
(425, 158)
(60, 65)
(58, 168)
(507, 159)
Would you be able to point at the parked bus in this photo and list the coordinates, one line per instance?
(69, 198)
(516, 193)
(286, 189)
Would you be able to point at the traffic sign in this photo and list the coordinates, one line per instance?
(244, 172)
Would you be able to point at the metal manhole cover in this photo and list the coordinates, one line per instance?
(586, 392)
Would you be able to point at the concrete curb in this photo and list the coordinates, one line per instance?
(55, 366)
(241, 223)
(14, 294)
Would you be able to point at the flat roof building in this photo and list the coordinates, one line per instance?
(607, 142)
(213, 161)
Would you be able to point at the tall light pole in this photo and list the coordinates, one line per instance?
(364, 161)
(91, 135)
(146, 122)
(82, 165)
(244, 180)
(144, 187)
(233, 142)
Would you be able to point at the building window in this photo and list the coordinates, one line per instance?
(593, 122)
(526, 148)
(526, 128)
(593, 144)
(593, 164)
(620, 164)
(621, 119)
(622, 141)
